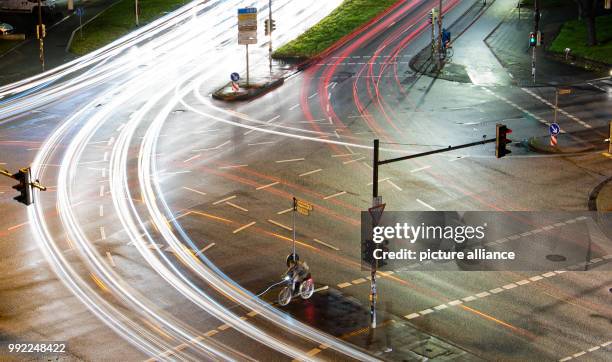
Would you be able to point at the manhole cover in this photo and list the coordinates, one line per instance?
(430, 350)
(555, 257)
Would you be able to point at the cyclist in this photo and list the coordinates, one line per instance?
(298, 271)
(446, 38)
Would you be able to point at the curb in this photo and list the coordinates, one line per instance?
(595, 193)
(87, 22)
(249, 94)
(437, 74)
(535, 145)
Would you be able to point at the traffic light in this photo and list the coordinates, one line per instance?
(24, 187)
(533, 41)
(501, 140)
(270, 26)
(367, 252)
(41, 31)
(384, 248)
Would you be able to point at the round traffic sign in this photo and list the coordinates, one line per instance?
(235, 77)
(554, 129)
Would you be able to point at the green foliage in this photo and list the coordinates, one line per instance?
(573, 35)
(118, 21)
(342, 21)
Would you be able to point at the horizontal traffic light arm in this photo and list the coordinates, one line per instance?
(449, 148)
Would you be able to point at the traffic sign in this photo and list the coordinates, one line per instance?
(553, 140)
(80, 11)
(235, 77)
(247, 26)
(235, 87)
(247, 11)
(376, 213)
(247, 37)
(554, 129)
(303, 207)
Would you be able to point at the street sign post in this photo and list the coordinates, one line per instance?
(247, 31)
(80, 13)
(304, 208)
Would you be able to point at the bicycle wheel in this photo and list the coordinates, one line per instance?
(284, 297)
(307, 289)
(449, 53)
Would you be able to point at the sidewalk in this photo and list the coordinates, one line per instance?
(509, 43)
(473, 62)
(22, 61)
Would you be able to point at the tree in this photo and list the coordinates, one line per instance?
(587, 10)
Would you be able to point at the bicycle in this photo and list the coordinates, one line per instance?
(305, 289)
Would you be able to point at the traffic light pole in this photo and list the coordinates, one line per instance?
(40, 33)
(374, 264)
(25, 186)
(270, 40)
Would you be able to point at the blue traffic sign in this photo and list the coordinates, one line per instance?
(80, 11)
(235, 77)
(247, 11)
(554, 129)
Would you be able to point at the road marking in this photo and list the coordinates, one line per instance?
(110, 259)
(426, 311)
(512, 285)
(268, 185)
(326, 244)
(345, 155)
(606, 154)
(261, 143)
(469, 299)
(196, 191)
(101, 190)
(212, 148)
(440, 307)
(231, 166)
(425, 204)
(359, 281)
(236, 206)
(284, 211)
(280, 225)
(420, 169)
(244, 227)
(313, 95)
(344, 285)
(224, 200)
(17, 226)
(351, 161)
(273, 119)
(334, 195)
(455, 302)
(394, 185)
(291, 160)
(101, 210)
(205, 248)
(192, 158)
(310, 172)
(102, 233)
(379, 181)
(570, 116)
(294, 106)
(412, 316)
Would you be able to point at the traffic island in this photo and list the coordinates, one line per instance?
(246, 92)
(565, 146)
(600, 198)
